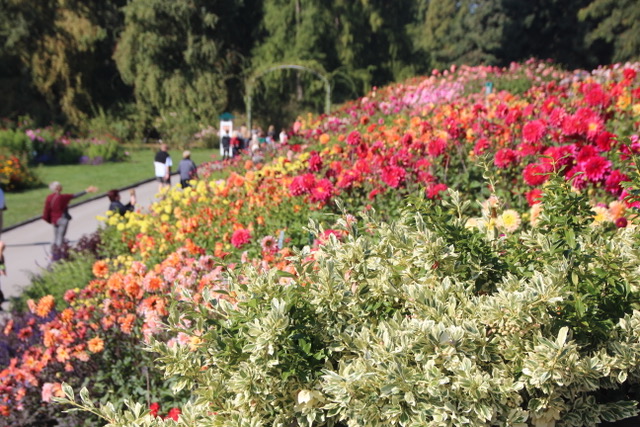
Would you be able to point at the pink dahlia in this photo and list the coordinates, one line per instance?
(348, 178)
(576, 177)
(505, 157)
(595, 96)
(594, 127)
(585, 153)
(629, 73)
(558, 157)
(436, 147)
(354, 138)
(362, 166)
(535, 174)
(434, 190)
(605, 141)
(571, 125)
(322, 191)
(315, 162)
(534, 196)
(596, 168)
(481, 145)
(240, 237)
(269, 244)
(557, 116)
(534, 131)
(425, 177)
(613, 183)
(393, 176)
(302, 184)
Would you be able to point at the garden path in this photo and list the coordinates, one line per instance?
(28, 245)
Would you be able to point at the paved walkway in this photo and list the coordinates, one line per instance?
(28, 245)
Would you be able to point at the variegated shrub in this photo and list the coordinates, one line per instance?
(423, 322)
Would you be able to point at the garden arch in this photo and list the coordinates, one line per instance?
(260, 73)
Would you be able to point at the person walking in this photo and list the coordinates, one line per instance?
(116, 205)
(187, 169)
(56, 210)
(162, 164)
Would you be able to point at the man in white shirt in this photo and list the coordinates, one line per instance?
(162, 164)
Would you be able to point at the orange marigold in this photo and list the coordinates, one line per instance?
(67, 315)
(133, 289)
(324, 138)
(62, 354)
(115, 282)
(45, 305)
(100, 269)
(152, 283)
(126, 323)
(95, 345)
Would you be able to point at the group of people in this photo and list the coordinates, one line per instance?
(162, 162)
(249, 141)
(56, 205)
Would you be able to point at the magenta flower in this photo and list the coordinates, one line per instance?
(435, 189)
(393, 176)
(315, 162)
(240, 238)
(504, 158)
(613, 183)
(534, 131)
(535, 174)
(354, 138)
(322, 191)
(302, 184)
(437, 147)
(596, 168)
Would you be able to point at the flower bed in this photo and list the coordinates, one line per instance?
(417, 138)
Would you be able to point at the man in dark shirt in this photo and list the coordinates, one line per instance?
(187, 169)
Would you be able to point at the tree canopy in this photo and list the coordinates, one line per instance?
(155, 60)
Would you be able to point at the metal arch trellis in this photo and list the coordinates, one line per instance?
(257, 75)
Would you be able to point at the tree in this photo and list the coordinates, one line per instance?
(178, 56)
(359, 43)
(617, 23)
(468, 31)
(546, 29)
(65, 45)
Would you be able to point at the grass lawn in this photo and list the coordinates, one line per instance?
(28, 204)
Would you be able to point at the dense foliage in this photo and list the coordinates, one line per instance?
(534, 257)
(382, 327)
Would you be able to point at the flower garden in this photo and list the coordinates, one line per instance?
(431, 254)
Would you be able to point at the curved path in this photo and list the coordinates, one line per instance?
(28, 245)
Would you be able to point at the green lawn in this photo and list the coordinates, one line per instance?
(74, 178)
